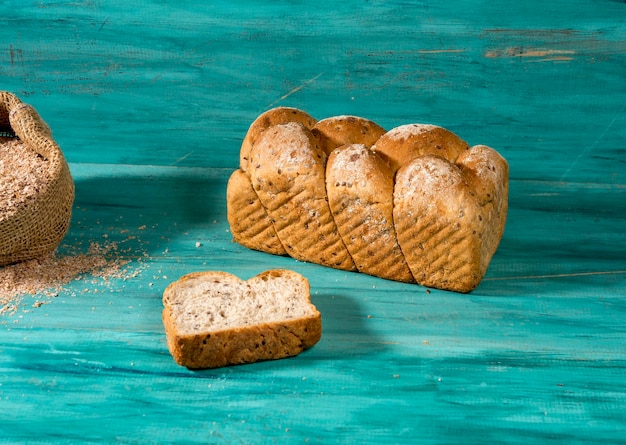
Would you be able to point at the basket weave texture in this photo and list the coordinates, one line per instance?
(37, 227)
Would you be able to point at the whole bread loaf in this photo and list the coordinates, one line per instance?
(413, 204)
(215, 319)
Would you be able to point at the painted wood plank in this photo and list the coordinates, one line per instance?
(180, 85)
(533, 354)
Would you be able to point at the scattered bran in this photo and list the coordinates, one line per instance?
(23, 175)
(46, 277)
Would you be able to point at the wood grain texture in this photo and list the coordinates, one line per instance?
(150, 103)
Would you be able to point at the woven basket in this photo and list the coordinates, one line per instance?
(37, 227)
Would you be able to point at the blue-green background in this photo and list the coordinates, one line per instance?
(150, 101)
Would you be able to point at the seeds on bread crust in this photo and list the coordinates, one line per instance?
(447, 231)
(360, 192)
(336, 131)
(402, 144)
(288, 174)
(275, 116)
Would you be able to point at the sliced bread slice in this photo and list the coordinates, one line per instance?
(215, 319)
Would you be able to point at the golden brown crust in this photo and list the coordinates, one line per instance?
(418, 184)
(249, 222)
(274, 116)
(264, 341)
(336, 131)
(360, 193)
(287, 169)
(434, 218)
(270, 341)
(402, 144)
(487, 175)
(447, 226)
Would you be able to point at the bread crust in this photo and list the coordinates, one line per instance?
(444, 203)
(249, 222)
(360, 193)
(238, 345)
(287, 169)
(487, 174)
(449, 223)
(274, 116)
(402, 144)
(335, 131)
(243, 203)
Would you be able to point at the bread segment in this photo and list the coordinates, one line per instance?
(249, 222)
(274, 116)
(335, 131)
(402, 144)
(360, 192)
(487, 174)
(448, 232)
(287, 169)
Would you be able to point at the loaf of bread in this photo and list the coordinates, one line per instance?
(413, 204)
(215, 319)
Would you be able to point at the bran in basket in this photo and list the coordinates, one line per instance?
(37, 198)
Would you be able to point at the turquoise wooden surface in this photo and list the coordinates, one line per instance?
(150, 101)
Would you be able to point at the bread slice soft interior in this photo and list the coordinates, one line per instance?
(215, 319)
